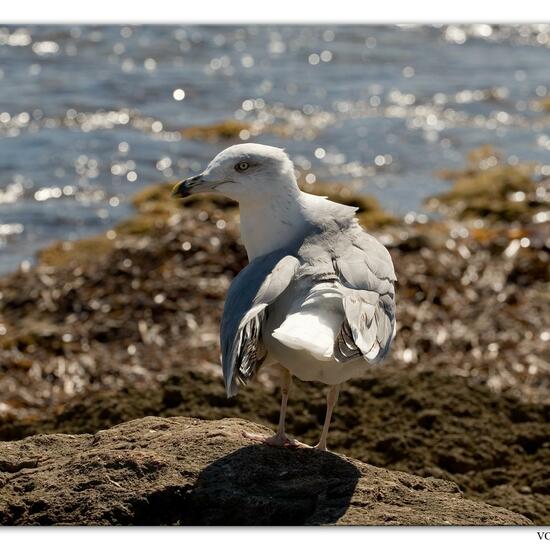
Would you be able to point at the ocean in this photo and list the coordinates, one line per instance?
(91, 114)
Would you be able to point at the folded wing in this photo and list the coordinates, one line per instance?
(365, 271)
(251, 292)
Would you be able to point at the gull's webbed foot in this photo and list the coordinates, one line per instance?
(277, 440)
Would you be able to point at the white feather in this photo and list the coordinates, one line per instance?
(315, 326)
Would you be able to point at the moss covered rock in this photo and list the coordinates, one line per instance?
(489, 188)
(225, 130)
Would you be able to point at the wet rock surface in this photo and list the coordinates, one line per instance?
(185, 471)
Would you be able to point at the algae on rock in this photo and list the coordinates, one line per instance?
(490, 188)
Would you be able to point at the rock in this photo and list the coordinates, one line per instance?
(195, 472)
(224, 130)
(491, 189)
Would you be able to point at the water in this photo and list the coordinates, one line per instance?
(90, 114)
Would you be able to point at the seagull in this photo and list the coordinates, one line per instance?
(317, 298)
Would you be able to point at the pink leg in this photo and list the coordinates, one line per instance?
(332, 397)
(280, 439)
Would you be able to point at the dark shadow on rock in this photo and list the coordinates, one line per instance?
(260, 485)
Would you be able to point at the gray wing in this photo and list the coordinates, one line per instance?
(365, 270)
(256, 287)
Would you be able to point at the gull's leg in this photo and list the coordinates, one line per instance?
(280, 439)
(332, 397)
(286, 382)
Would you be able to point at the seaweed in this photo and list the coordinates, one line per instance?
(490, 188)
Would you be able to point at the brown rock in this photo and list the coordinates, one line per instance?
(195, 472)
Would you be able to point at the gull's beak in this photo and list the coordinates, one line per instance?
(187, 187)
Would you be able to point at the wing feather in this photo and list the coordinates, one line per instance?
(251, 292)
(367, 275)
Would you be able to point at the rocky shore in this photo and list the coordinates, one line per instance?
(184, 471)
(124, 325)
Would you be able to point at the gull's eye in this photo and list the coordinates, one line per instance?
(241, 166)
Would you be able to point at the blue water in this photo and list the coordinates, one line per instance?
(88, 114)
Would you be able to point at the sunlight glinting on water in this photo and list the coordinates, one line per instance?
(89, 114)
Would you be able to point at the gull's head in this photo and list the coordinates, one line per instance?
(246, 172)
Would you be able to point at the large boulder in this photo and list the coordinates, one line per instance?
(186, 471)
